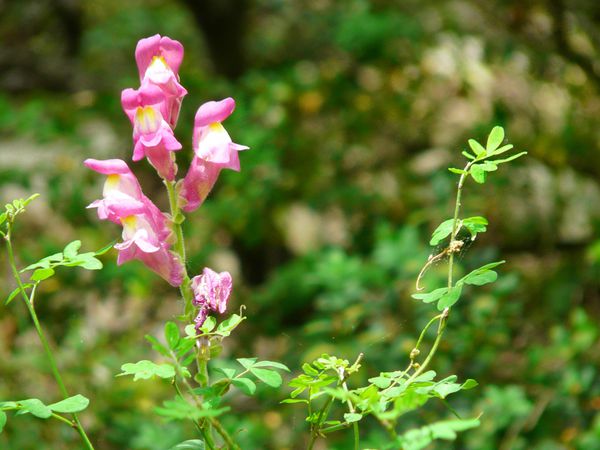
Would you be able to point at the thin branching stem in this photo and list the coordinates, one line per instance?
(444, 316)
(50, 356)
(187, 295)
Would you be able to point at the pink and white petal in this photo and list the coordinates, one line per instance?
(151, 139)
(139, 151)
(172, 51)
(214, 111)
(169, 141)
(145, 50)
(163, 161)
(198, 183)
(108, 166)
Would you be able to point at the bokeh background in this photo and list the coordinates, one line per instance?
(353, 110)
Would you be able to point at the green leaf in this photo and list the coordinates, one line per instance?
(273, 364)
(510, 158)
(70, 251)
(44, 262)
(85, 260)
(475, 225)
(209, 324)
(425, 376)
(482, 278)
(190, 330)
(381, 382)
(503, 149)
(42, 274)
(476, 147)
(229, 373)
(228, 325)
(467, 155)
(432, 296)
(482, 275)
(420, 438)
(2, 420)
(269, 377)
(247, 362)
(309, 370)
(36, 407)
(469, 384)
(478, 173)
(441, 232)
(352, 417)
(31, 198)
(72, 404)
(16, 292)
(147, 369)
(450, 298)
(172, 335)
(192, 444)
(408, 401)
(8, 405)
(295, 400)
(156, 345)
(445, 389)
(455, 170)
(181, 410)
(91, 263)
(494, 139)
(104, 249)
(2, 220)
(488, 166)
(246, 385)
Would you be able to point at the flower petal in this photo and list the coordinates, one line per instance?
(211, 112)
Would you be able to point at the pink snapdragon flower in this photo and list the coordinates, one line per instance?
(146, 230)
(120, 188)
(158, 60)
(142, 241)
(213, 150)
(211, 293)
(152, 135)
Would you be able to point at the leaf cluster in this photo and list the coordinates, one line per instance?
(39, 409)
(480, 163)
(16, 207)
(387, 397)
(447, 297)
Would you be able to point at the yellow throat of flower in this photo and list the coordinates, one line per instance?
(147, 119)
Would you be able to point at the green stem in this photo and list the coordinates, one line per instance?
(63, 419)
(179, 247)
(180, 394)
(223, 433)
(206, 427)
(457, 205)
(434, 347)
(351, 410)
(422, 335)
(29, 303)
(187, 294)
(339, 426)
(316, 428)
(444, 316)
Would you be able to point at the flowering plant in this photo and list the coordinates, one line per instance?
(156, 239)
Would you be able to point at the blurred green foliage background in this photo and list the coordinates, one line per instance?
(353, 110)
